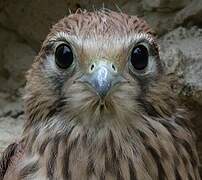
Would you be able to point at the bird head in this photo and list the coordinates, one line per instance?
(96, 67)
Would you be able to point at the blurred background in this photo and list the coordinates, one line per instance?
(24, 25)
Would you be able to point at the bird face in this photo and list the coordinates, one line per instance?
(94, 66)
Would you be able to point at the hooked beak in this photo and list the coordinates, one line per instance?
(102, 77)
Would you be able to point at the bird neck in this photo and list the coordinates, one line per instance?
(136, 150)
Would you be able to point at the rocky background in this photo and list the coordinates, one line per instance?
(24, 24)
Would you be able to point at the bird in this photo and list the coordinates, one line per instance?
(98, 106)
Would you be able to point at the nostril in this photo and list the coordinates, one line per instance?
(92, 67)
(113, 67)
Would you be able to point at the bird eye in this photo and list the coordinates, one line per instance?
(139, 57)
(64, 56)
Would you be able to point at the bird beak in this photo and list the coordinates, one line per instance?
(102, 77)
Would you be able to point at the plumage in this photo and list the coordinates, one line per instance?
(83, 125)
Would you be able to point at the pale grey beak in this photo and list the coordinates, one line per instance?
(101, 80)
(102, 77)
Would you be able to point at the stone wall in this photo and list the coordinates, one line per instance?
(24, 24)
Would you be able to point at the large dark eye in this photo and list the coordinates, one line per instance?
(64, 56)
(139, 57)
